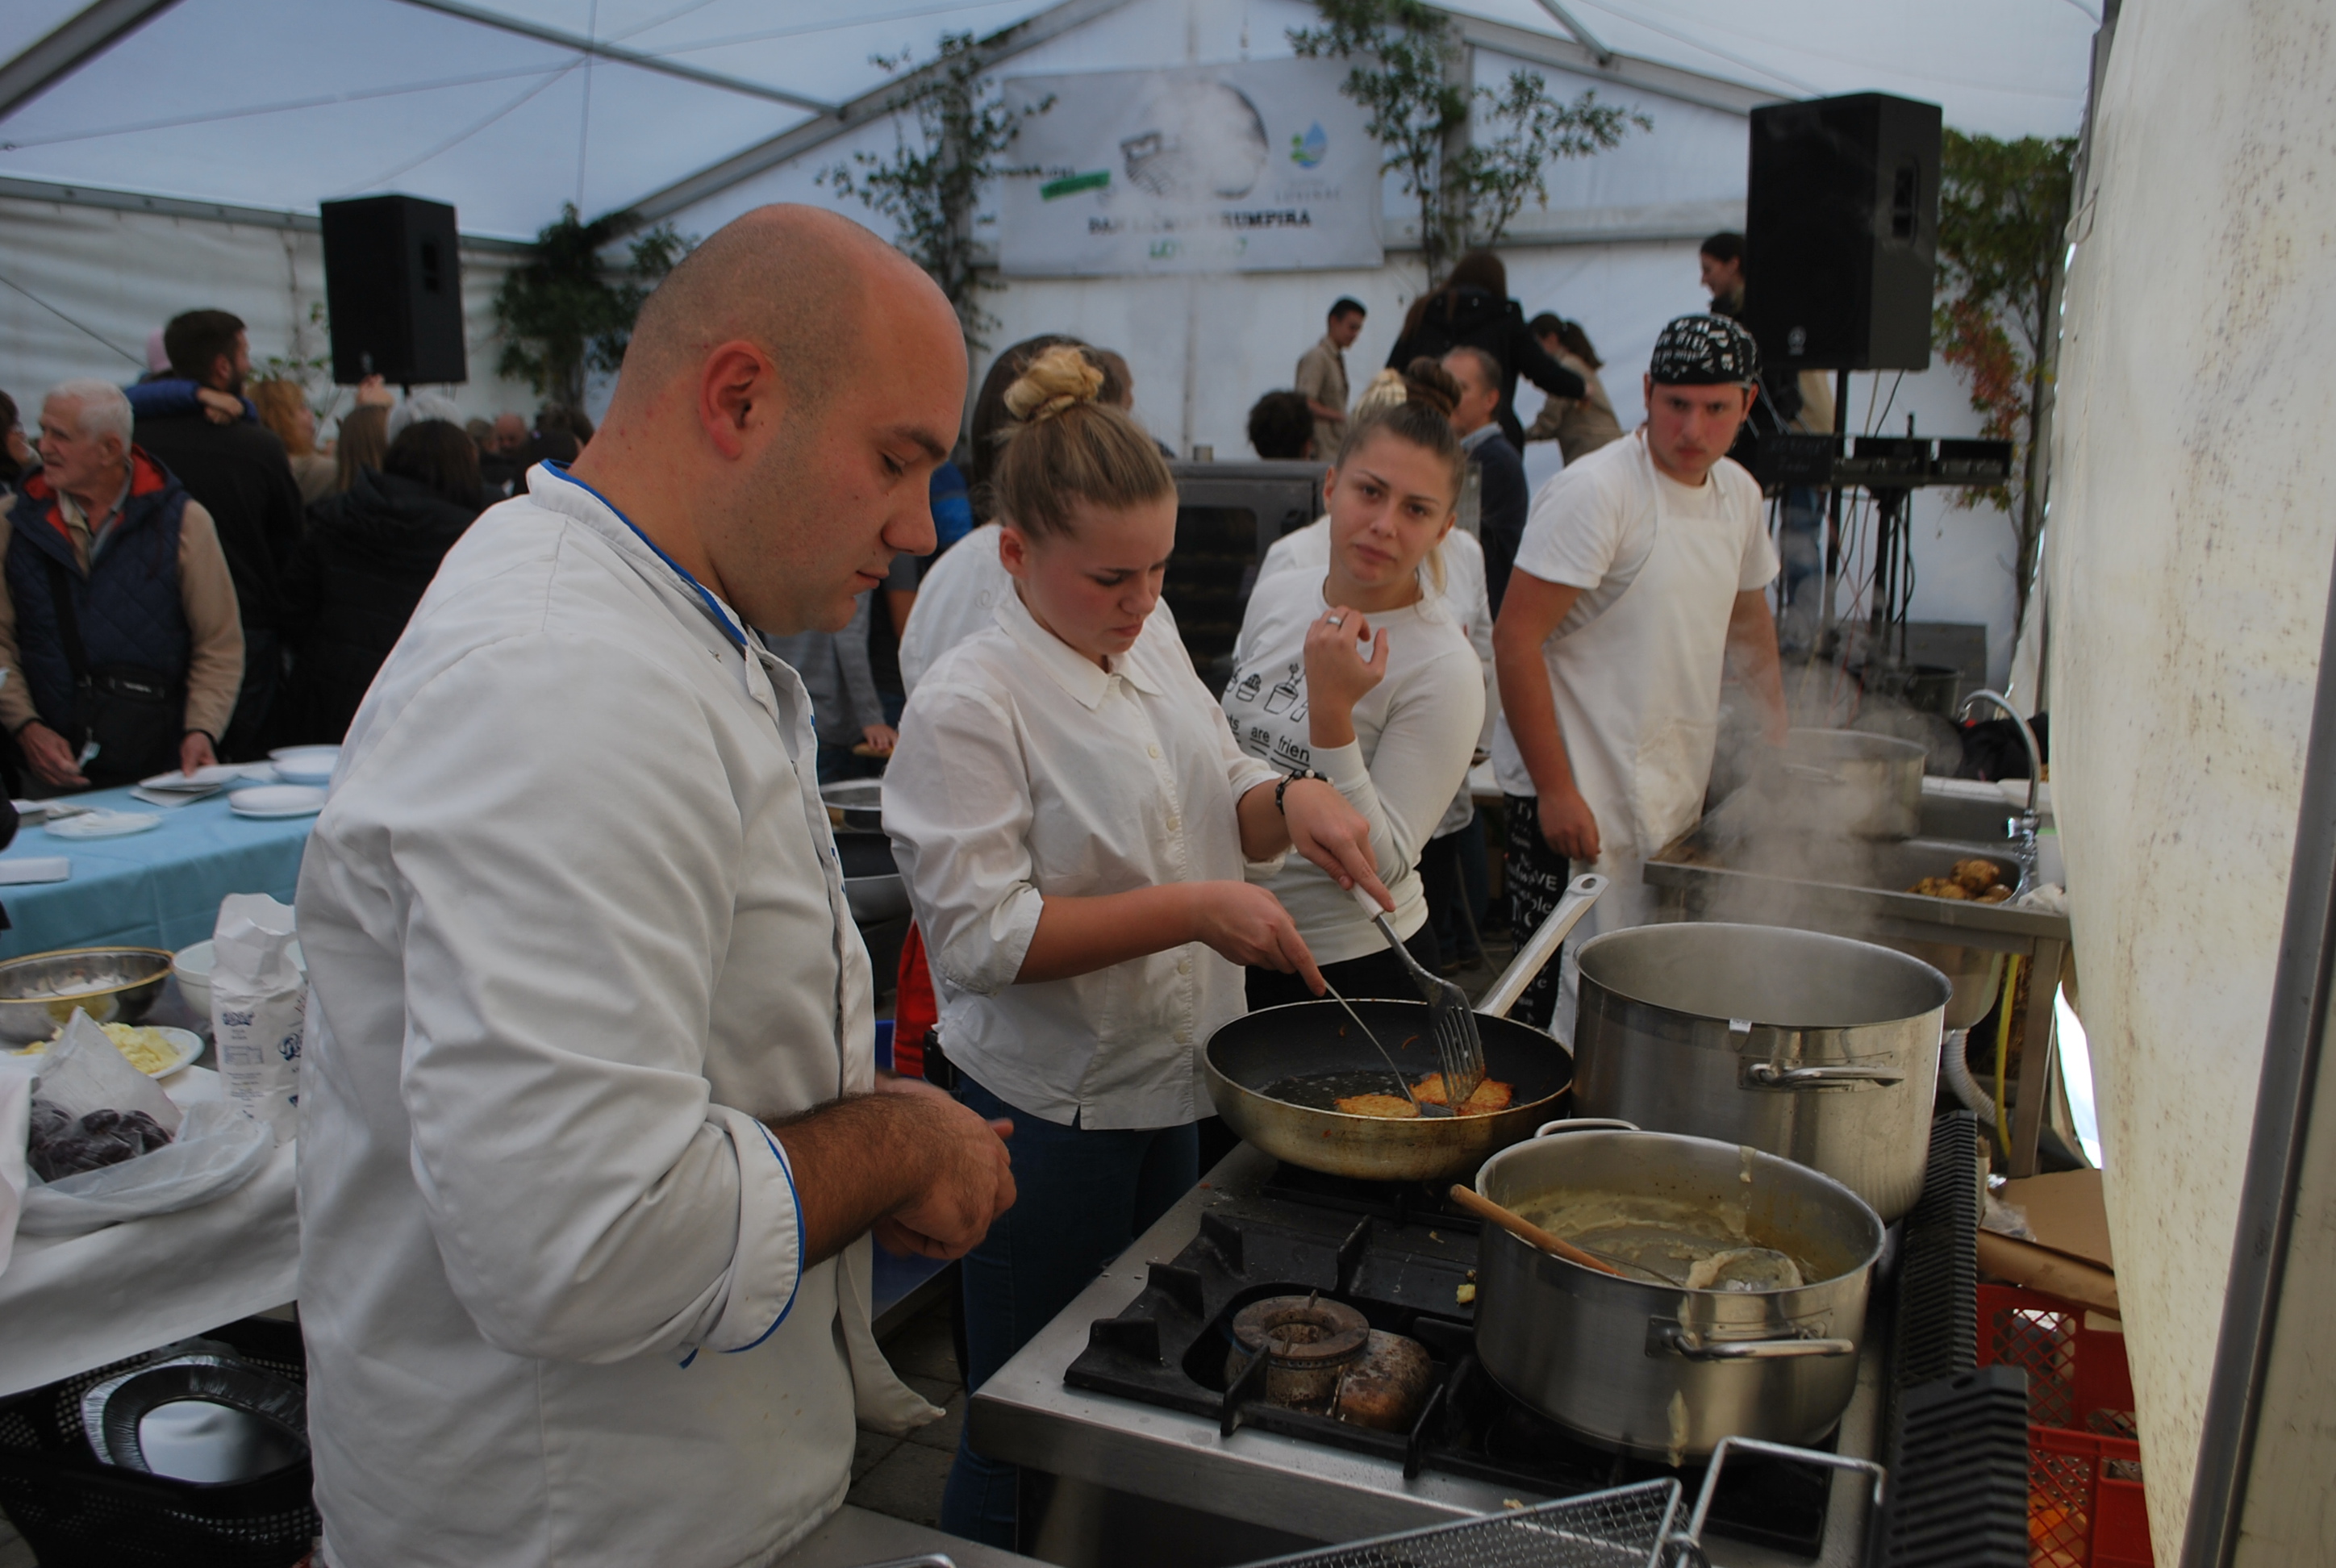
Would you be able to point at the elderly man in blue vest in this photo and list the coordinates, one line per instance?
(118, 633)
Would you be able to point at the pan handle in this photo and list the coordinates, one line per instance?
(1542, 945)
(1584, 1125)
(1686, 1342)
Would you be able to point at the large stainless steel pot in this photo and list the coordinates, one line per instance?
(1659, 1370)
(1840, 781)
(1813, 1048)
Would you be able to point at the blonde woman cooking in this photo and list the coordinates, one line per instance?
(1078, 830)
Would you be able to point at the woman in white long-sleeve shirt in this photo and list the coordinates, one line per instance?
(1393, 727)
(1077, 830)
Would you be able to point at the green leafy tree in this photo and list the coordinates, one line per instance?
(2003, 211)
(1409, 79)
(563, 316)
(930, 186)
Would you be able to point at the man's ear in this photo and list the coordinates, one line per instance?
(737, 393)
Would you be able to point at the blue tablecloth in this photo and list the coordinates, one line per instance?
(158, 888)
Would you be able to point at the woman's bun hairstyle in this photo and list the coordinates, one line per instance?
(1060, 379)
(1069, 445)
(1428, 383)
(1388, 389)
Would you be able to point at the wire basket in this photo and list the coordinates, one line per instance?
(1636, 1526)
(1623, 1528)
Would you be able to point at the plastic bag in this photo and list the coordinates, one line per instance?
(85, 1071)
(259, 1007)
(218, 1149)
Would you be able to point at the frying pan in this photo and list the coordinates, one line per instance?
(1274, 1072)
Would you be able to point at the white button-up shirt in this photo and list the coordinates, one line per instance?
(577, 932)
(1026, 772)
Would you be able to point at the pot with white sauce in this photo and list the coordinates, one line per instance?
(1739, 1311)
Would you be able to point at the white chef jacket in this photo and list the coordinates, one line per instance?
(576, 930)
(1466, 600)
(1414, 734)
(959, 596)
(1025, 771)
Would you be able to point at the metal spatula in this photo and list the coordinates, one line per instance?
(1451, 1021)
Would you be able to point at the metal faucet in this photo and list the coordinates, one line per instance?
(2023, 832)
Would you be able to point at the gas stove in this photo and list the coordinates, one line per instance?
(1139, 1387)
(1405, 1259)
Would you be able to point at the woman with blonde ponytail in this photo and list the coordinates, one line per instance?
(1361, 670)
(1077, 831)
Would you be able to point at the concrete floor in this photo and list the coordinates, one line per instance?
(903, 1477)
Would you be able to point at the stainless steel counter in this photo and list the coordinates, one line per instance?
(1027, 1415)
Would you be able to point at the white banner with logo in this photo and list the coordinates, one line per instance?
(1253, 167)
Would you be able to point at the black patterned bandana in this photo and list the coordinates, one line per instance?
(1705, 351)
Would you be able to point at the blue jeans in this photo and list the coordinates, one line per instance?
(1082, 1196)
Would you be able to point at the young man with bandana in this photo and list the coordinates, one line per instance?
(1637, 581)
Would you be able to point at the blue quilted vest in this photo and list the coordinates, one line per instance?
(127, 604)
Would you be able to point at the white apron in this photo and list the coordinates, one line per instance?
(1638, 701)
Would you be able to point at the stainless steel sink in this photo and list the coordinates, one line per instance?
(1727, 869)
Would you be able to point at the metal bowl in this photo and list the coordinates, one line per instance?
(112, 985)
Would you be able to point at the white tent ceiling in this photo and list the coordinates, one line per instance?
(510, 109)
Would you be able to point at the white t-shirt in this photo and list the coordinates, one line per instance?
(1413, 734)
(1591, 528)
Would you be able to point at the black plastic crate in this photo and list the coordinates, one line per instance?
(75, 1512)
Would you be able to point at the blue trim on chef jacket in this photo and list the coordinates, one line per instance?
(721, 616)
(796, 1198)
(788, 1172)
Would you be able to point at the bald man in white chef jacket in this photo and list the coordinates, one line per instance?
(592, 1140)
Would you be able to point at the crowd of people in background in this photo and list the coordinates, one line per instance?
(194, 573)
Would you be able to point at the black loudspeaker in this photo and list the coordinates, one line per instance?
(393, 286)
(1841, 232)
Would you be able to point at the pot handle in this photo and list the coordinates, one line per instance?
(1542, 945)
(1684, 1341)
(1584, 1125)
(1770, 1076)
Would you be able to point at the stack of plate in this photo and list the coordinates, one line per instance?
(304, 764)
(277, 801)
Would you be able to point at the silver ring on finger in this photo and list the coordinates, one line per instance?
(1335, 619)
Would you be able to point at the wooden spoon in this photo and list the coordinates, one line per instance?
(1525, 1231)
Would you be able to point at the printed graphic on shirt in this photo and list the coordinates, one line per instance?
(1286, 701)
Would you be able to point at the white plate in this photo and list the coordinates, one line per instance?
(304, 770)
(102, 825)
(214, 776)
(186, 1042)
(329, 752)
(277, 800)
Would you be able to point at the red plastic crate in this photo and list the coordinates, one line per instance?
(2085, 1507)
